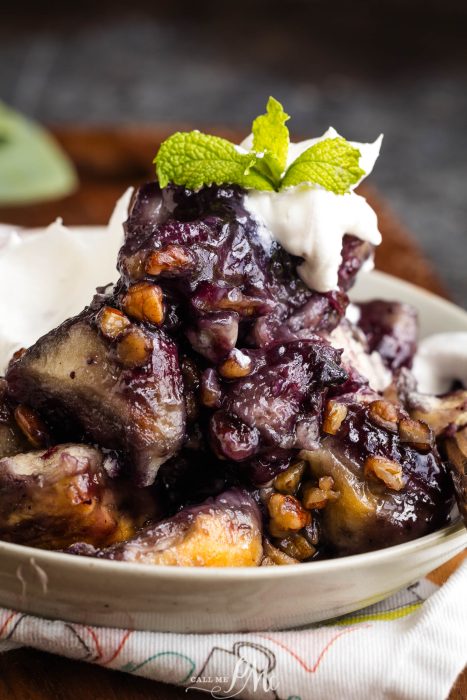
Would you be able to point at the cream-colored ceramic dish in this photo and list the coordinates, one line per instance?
(81, 589)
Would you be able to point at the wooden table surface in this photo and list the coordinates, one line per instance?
(108, 161)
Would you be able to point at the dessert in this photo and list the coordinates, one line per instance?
(223, 404)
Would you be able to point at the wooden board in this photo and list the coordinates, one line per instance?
(109, 161)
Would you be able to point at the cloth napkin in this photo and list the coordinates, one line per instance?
(412, 645)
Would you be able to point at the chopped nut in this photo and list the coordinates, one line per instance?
(386, 470)
(334, 415)
(233, 299)
(112, 322)
(210, 389)
(143, 301)
(296, 546)
(287, 513)
(317, 497)
(236, 365)
(209, 397)
(416, 433)
(314, 497)
(267, 561)
(32, 426)
(275, 556)
(383, 414)
(134, 348)
(276, 531)
(171, 259)
(326, 483)
(288, 481)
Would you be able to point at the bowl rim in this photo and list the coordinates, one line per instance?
(449, 533)
(431, 297)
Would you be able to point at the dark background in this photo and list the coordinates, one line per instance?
(396, 67)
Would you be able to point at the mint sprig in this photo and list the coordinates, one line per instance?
(194, 159)
(331, 163)
(271, 139)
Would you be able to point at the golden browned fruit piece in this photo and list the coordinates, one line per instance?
(456, 450)
(224, 531)
(76, 379)
(388, 485)
(438, 412)
(52, 498)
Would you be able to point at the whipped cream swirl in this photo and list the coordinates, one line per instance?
(310, 222)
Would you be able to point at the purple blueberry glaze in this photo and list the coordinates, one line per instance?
(391, 328)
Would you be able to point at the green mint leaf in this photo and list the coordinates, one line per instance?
(331, 163)
(271, 138)
(258, 179)
(194, 159)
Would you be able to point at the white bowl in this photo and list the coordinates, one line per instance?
(118, 594)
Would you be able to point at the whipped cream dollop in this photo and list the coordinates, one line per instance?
(441, 359)
(49, 275)
(310, 222)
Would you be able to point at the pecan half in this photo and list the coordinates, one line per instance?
(386, 470)
(296, 546)
(287, 513)
(416, 433)
(112, 322)
(334, 415)
(143, 302)
(134, 348)
(170, 260)
(383, 414)
(288, 481)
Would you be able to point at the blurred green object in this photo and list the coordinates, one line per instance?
(33, 167)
